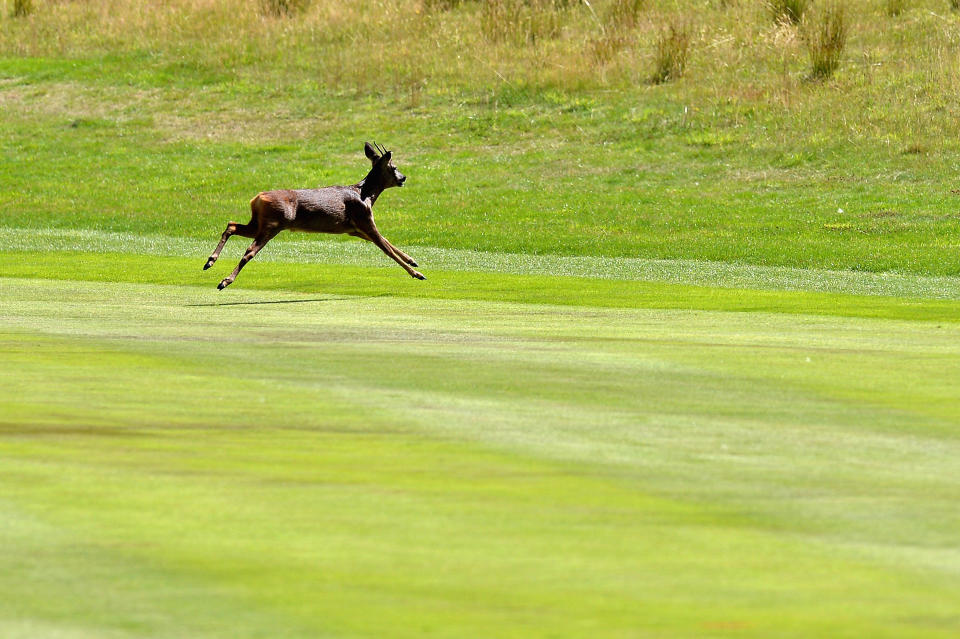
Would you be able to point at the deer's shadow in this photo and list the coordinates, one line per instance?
(307, 301)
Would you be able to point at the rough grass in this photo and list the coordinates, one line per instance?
(826, 37)
(673, 48)
(791, 11)
(485, 177)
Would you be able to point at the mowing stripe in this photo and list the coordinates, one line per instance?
(355, 253)
(337, 279)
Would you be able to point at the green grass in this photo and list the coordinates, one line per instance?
(473, 285)
(275, 464)
(174, 127)
(687, 205)
(683, 367)
(328, 251)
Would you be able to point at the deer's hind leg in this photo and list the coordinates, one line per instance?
(233, 228)
(250, 229)
(258, 243)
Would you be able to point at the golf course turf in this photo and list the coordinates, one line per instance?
(685, 365)
(270, 463)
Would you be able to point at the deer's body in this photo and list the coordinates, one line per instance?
(332, 209)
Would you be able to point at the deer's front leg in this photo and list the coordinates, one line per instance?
(372, 234)
(403, 256)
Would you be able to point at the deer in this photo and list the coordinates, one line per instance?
(330, 209)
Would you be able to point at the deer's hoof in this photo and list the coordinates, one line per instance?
(222, 285)
(413, 263)
(419, 276)
(208, 264)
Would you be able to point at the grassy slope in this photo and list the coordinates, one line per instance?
(168, 124)
(585, 196)
(289, 465)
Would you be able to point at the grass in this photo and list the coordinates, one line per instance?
(894, 8)
(21, 8)
(791, 11)
(61, 244)
(253, 459)
(741, 162)
(684, 285)
(282, 8)
(826, 39)
(683, 366)
(673, 47)
(671, 200)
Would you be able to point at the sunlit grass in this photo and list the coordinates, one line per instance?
(684, 364)
(273, 463)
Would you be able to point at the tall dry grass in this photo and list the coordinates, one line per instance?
(422, 48)
(522, 21)
(673, 47)
(899, 86)
(624, 14)
(788, 10)
(826, 37)
(21, 8)
(893, 8)
(282, 8)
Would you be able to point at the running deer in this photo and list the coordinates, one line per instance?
(332, 209)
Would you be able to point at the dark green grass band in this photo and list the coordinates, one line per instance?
(373, 281)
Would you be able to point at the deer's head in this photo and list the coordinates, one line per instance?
(383, 167)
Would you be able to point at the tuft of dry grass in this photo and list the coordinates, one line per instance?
(893, 8)
(522, 21)
(617, 30)
(441, 5)
(788, 10)
(605, 47)
(624, 14)
(826, 37)
(673, 47)
(21, 8)
(283, 7)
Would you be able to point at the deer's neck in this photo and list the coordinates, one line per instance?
(371, 187)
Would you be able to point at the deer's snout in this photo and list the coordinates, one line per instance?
(401, 178)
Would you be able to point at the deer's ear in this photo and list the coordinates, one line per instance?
(370, 152)
(386, 156)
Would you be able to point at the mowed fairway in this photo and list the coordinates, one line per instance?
(178, 462)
